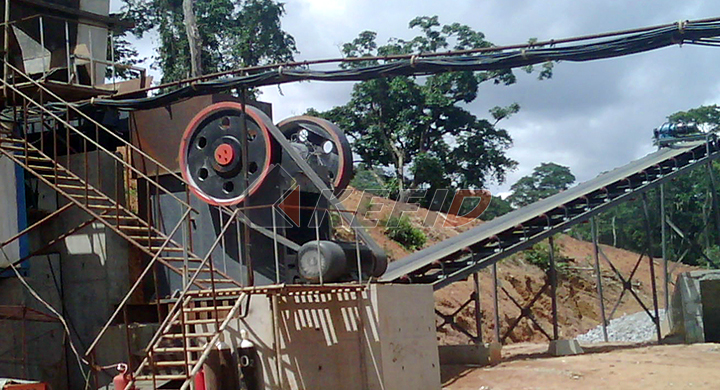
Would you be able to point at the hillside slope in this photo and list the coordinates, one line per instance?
(578, 305)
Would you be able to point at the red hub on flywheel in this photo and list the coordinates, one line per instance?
(224, 154)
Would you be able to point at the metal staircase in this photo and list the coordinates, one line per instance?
(108, 211)
(190, 332)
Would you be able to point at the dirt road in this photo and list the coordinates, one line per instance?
(525, 366)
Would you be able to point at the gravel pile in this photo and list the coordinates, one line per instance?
(637, 327)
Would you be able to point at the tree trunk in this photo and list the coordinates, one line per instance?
(614, 233)
(193, 39)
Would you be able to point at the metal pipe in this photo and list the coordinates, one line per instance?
(478, 308)
(276, 335)
(553, 287)
(496, 305)
(598, 278)
(244, 155)
(137, 283)
(666, 276)
(92, 60)
(70, 70)
(357, 257)
(275, 246)
(42, 45)
(190, 282)
(317, 245)
(112, 55)
(212, 342)
(651, 262)
(66, 123)
(6, 46)
(36, 224)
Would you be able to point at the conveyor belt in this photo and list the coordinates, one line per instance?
(459, 257)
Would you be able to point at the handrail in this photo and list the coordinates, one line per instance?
(68, 125)
(137, 283)
(210, 345)
(184, 292)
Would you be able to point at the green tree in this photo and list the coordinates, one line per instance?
(706, 117)
(419, 128)
(547, 179)
(497, 207)
(233, 34)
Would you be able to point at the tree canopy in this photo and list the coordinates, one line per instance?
(706, 117)
(419, 128)
(233, 34)
(688, 205)
(546, 179)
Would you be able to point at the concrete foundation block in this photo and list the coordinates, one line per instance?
(475, 354)
(564, 347)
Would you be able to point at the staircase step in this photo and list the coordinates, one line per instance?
(187, 335)
(203, 321)
(205, 309)
(17, 148)
(190, 259)
(102, 206)
(33, 158)
(177, 349)
(202, 270)
(217, 281)
(127, 227)
(72, 187)
(173, 363)
(44, 168)
(61, 176)
(167, 249)
(160, 377)
(153, 237)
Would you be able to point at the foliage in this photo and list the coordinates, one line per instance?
(124, 53)
(234, 34)
(547, 179)
(688, 205)
(402, 230)
(497, 207)
(539, 255)
(373, 180)
(419, 128)
(706, 117)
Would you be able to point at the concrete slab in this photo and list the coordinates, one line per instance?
(381, 338)
(694, 313)
(564, 348)
(473, 354)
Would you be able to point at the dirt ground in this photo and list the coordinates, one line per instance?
(618, 366)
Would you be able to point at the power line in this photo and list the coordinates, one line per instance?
(615, 44)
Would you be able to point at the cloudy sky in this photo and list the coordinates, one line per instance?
(590, 116)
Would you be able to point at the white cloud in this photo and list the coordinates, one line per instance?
(591, 116)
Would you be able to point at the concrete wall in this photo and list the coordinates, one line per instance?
(33, 350)
(694, 313)
(90, 272)
(382, 339)
(12, 221)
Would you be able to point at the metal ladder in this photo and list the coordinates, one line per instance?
(178, 349)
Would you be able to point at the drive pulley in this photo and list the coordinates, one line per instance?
(211, 158)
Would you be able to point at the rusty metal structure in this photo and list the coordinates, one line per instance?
(224, 204)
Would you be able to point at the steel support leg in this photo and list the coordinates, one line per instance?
(553, 287)
(666, 276)
(478, 309)
(653, 282)
(598, 278)
(496, 308)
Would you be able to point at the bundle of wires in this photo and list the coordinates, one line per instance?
(615, 44)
